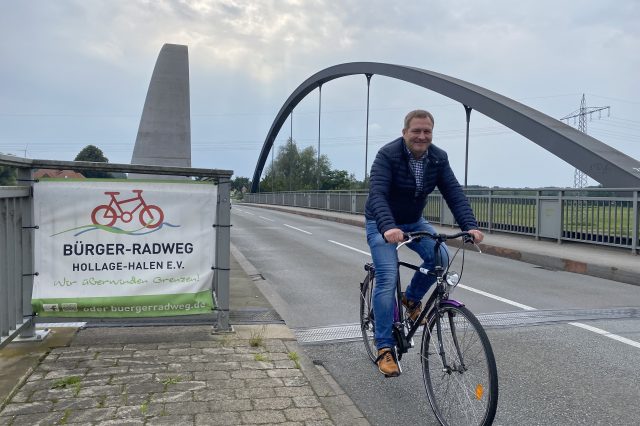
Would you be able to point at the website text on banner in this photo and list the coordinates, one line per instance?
(123, 249)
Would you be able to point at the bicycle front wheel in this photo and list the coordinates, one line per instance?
(367, 323)
(459, 368)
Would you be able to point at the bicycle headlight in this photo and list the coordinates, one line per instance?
(453, 278)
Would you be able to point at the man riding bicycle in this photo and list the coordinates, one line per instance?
(403, 174)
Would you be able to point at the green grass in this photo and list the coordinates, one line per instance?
(293, 356)
(68, 382)
(260, 357)
(171, 381)
(65, 417)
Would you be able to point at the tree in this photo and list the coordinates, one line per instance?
(295, 170)
(7, 176)
(339, 179)
(93, 154)
(240, 184)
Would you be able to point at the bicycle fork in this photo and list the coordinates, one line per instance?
(446, 368)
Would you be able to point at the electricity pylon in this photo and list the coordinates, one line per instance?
(580, 178)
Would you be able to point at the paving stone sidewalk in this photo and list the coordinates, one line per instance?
(224, 379)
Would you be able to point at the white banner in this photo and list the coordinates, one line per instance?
(123, 249)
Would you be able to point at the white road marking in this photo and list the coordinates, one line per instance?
(266, 218)
(248, 213)
(606, 334)
(297, 229)
(501, 299)
(350, 248)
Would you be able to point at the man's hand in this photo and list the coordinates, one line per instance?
(478, 236)
(394, 235)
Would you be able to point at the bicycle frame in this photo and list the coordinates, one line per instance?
(114, 203)
(438, 291)
(438, 298)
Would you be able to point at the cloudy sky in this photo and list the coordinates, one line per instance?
(76, 73)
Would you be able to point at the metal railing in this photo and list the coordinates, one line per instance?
(16, 239)
(600, 216)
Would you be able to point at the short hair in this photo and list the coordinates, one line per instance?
(418, 113)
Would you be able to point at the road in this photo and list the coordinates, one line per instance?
(567, 345)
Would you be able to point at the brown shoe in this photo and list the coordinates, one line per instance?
(387, 363)
(412, 309)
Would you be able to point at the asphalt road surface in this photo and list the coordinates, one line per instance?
(567, 346)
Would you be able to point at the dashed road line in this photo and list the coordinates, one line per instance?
(266, 218)
(297, 229)
(606, 334)
(501, 299)
(350, 248)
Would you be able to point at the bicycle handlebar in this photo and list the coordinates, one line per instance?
(416, 235)
(441, 238)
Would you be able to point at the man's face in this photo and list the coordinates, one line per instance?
(418, 136)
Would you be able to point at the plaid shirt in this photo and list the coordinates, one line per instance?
(417, 167)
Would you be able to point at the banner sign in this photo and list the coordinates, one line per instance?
(123, 249)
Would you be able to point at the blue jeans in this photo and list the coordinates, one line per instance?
(385, 260)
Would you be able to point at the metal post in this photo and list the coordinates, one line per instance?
(366, 138)
(28, 254)
(319, 117)
(538, 213)
(636, 218)
(490, 224)
(561, 221)
(290, 146)
(5, 322)
(466, 152)
(223, 248)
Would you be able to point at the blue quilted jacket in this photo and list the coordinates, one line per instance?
(393, 199)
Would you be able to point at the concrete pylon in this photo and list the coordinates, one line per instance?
(164, 135)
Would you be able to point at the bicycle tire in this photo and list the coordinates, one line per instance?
(467, 395)
(105, 218)
(367, 323)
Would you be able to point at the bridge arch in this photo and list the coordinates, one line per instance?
(601, 162)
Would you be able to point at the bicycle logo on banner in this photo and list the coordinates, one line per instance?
(150, 216)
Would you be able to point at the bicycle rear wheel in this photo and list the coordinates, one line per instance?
(462, 385)
(367, 323)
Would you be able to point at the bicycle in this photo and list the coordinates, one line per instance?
(151, 216)
(458, 366)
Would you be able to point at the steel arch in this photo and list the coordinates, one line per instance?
(603, 163)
